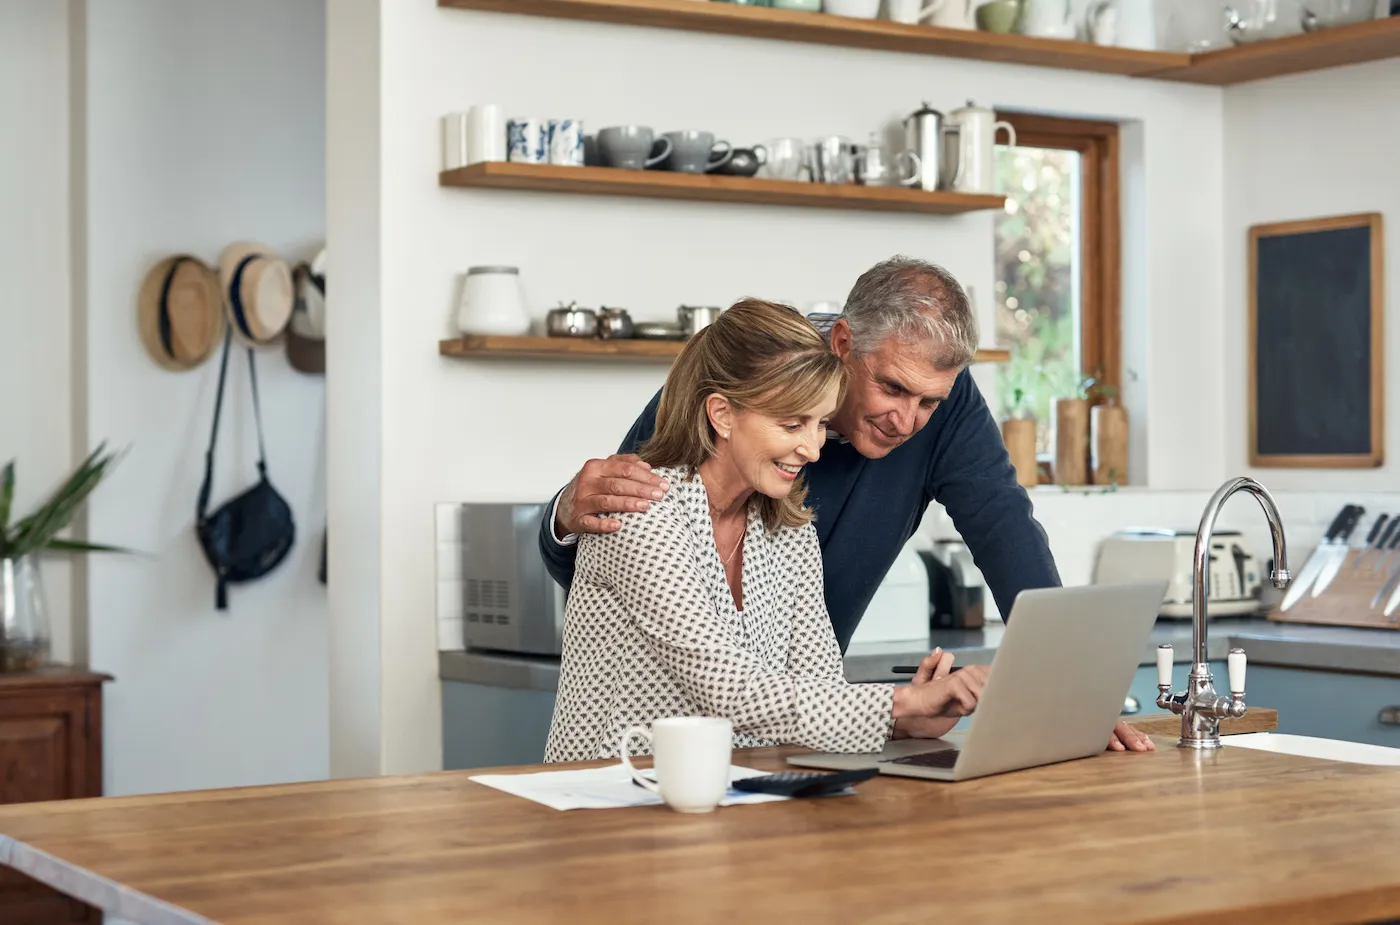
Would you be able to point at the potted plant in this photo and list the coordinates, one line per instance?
(24, 621)
(1108, 437)
(1070, 415)
(1018, 433)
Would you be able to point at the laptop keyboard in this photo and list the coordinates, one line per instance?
(943, 758)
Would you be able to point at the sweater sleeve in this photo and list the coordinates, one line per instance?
(559, 557)
(972, 477)
(652, 566)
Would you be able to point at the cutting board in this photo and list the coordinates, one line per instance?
(1347, 600)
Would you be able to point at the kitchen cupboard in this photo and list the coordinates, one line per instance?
(50, 749)
(1329, 704)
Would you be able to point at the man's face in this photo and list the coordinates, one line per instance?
(891, 393)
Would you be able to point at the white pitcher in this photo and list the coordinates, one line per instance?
(950, 14)
(977, 131)
(1049, 19)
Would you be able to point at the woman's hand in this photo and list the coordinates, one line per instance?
(936, 699)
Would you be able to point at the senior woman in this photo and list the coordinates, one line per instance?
(710, 602)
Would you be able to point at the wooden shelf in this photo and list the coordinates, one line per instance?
(587, 348)
(1296, 54)
(491, 346)
(1367, 41)
(660, 184)
(826, 29)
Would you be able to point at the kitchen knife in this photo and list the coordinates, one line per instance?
(1394, 601)
(1380, 542)
(1387, 545)
(1339, 552)
(1316, 562)
(1390, 580)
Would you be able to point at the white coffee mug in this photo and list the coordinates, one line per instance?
(692, 755)
(486, 134)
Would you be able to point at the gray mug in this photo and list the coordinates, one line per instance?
(694, 152)
(630, 146)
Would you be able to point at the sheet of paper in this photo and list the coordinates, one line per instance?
(602, 788)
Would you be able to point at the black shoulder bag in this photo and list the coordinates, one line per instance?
(250, 534)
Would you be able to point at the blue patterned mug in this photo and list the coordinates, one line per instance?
(528, 141)
(566, 142)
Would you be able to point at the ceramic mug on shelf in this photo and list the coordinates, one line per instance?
(692, 755)
(566, 142)
(629, 147)
(528, 141)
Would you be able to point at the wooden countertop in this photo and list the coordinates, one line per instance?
(1234, 836)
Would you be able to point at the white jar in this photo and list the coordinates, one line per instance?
(492, 302)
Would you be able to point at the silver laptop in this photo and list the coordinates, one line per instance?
(1054, 692)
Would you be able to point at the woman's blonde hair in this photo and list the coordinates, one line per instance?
(762, 357)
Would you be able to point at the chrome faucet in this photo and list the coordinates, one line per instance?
(1201, 708)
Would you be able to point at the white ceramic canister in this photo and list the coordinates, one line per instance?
(492, 302)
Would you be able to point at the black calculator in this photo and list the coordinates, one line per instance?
(804, 783)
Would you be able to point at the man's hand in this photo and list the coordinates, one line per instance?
(606, 486)
(1128, 738)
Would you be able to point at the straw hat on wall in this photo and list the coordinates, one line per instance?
(180, 312)
(306, 332)
(257, 287)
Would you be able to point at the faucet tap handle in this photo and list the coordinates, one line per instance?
(1235, 661)
(1164, 666)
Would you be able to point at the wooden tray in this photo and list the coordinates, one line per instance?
(1347, 600)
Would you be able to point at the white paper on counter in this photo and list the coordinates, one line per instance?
(603, 788)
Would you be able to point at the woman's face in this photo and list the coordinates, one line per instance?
(768, 452)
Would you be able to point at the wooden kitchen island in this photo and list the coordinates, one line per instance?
(1232, 836)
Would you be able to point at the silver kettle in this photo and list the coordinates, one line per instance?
(924, 133)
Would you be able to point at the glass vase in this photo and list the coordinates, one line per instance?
(24, 616)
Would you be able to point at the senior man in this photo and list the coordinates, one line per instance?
(913, 428)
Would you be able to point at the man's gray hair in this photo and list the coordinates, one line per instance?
(915, 302)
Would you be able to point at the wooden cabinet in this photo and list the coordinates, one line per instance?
(50, 749)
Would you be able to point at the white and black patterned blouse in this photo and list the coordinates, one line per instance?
(651, 631)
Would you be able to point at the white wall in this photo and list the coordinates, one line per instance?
(205, 124)
(1306, 147)
(475, 431)
(35, 331)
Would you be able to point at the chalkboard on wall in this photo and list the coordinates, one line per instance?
(1316, 367)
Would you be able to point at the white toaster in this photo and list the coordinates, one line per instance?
(1148, 554)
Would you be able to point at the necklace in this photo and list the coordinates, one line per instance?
(737, 543)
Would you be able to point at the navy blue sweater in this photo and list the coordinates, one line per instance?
(868, 508)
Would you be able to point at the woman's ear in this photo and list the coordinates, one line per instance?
(721, 414)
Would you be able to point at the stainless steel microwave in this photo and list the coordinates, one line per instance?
(509, 601)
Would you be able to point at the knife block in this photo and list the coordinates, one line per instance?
(1347, 600)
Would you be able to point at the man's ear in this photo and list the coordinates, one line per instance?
(721, 414)
(840, 339)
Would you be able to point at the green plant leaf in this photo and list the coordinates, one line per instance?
(80, 546)
(36, 530)
(7, 497)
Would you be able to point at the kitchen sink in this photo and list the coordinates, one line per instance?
(1313, 747)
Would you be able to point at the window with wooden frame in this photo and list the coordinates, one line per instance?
(1058, 265)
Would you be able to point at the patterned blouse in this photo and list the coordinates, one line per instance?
(651, 630)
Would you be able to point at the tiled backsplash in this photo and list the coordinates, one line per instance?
(1075, 520)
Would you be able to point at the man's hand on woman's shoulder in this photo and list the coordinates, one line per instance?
(620, 483)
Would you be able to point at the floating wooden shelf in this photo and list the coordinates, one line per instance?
(588, 348)
(1296, 54)
(826, 29)
(1313, 51)
(661, 184)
